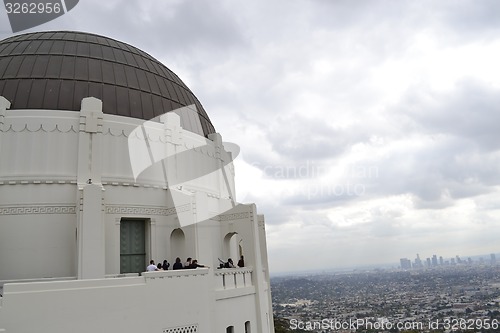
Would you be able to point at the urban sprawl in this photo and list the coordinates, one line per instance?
(432, 295)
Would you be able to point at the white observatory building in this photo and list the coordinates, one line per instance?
(108, 160)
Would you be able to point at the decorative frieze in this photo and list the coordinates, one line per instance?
(233, 271)
(232, 217)
(182, 329)
(38, 127)
(145, 210)
(74, 182)
(38, 209)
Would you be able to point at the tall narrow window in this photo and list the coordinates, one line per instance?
(247, 327)
(230, 329)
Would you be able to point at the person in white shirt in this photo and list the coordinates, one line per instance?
(152, 267)
(187, 263)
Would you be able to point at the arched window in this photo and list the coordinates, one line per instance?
(230, 329)
(247, 327)
(240, 248)
(177, 245)
(233, 247)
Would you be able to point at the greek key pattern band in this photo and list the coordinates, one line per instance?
(45, 209)
(138, 210)
(235, 216)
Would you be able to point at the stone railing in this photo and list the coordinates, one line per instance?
(231, 278)
(180, 273)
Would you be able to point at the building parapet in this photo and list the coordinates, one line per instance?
(116, 276)
(22, 286)
(231, 278)
(174, 274)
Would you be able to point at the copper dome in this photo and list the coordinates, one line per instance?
(55, 70)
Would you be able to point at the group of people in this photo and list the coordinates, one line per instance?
(153, 267)
(189, 264)
(229, 263)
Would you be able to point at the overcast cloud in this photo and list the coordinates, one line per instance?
(369, 130)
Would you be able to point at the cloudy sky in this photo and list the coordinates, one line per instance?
(369, 130)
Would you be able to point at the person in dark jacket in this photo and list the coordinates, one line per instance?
(194, 264)
(177, 264)
(229, 263)
(241, 262)
(166, 265)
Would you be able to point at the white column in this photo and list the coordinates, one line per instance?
(115, 268)
(91, 253)
(89, 141)
(217, 140)
(265, 269)
(91, 242)
(153, 249)
(172, 132)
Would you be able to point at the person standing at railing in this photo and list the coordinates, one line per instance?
(152, 267)
(241, 262)
(229, 263)
(195, 264)
(187, 263)
(177, 264)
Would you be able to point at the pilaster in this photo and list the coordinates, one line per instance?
(115, 265)
(90, 233)
(153, 250)
(89, 141)
(172, 125)
(217, 140)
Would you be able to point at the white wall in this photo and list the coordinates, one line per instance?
(37, 231)
(129, 305)
(235, 312)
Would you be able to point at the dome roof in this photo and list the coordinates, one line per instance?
(56, 70)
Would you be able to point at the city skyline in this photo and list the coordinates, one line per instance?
(424, 300)
(435, 261)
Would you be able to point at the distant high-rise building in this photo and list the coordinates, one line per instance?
(452, 261)
(441, 260)
(405, 263)
(428, 262)
(418, 262)
(459, 261)
(493, 259)
(434, 260)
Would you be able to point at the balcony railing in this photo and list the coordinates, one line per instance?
(160, 275)
(232, 278)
